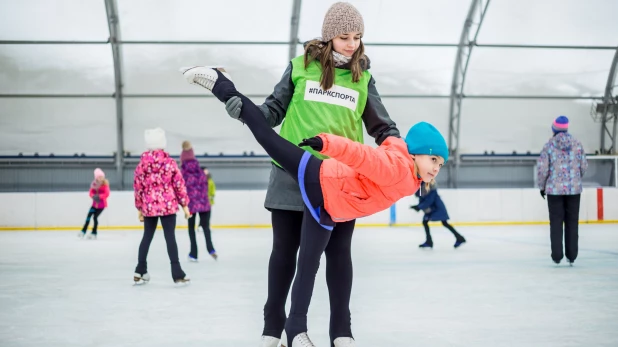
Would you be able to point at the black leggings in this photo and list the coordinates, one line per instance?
(287, 154)
(314, 239)
(457, 235)
(288, 228)
(92, 212)
(169, 227)
(205, 223)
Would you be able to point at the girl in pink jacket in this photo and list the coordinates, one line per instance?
(159, 189)
(99, 191)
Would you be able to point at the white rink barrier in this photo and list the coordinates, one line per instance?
(244, 209)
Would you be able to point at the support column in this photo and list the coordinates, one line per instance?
(111, 9)
(466, 42)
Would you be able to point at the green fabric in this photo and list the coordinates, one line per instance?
(212, 188)
(312, 110)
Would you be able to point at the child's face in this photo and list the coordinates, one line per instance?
(347, 43)
(428, 166)
(206, 172)
(99, 179)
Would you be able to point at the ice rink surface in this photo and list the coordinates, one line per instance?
(499, 289)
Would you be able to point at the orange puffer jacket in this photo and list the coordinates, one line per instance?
(359, 180)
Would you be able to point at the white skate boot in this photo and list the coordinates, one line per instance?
(182, 281)
(141, 279)
(270, 341)
(344, 342)
(203, 76)
(302, 340)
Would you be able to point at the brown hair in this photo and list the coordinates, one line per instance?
(186, 145)
(322, 51)
(105, 182)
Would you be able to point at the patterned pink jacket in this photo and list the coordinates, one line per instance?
(158, 185)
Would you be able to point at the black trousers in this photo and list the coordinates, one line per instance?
(169, 227)
(564, 220)
(93, 212)
(205, 223)
(429, 240)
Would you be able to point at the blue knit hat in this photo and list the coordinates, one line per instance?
(424, 138)
(560, 124)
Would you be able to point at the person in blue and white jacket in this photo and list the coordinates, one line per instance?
(560, 169)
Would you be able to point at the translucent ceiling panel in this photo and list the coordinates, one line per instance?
(395, 21)
(538, 72)
(551, 22)
(202, 121)
(205, 123)
(53, 20)
(154, 68)
(59, 126)
(56, 69)
(412, 70)
(518, 125)
(230, 20)
(407, 112)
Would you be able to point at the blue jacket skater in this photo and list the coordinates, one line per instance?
(431, 203)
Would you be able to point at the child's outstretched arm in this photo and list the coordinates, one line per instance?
(381, 165)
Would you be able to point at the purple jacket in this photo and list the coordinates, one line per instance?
(197, 186)
(561, 166)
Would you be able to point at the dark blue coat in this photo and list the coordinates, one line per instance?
(430, 199)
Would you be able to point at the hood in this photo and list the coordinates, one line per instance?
(563, 141)
(156, 160)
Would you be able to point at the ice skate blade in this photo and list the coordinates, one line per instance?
(182, 282)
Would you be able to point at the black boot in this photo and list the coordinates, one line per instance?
(427, 244)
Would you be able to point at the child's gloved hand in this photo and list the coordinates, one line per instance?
(314, 142)
(96, 198)
(140, 216)
(427, 210)
(233, 107)
(415, 207)
(185, 209)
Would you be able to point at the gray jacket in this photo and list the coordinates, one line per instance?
(283, 192)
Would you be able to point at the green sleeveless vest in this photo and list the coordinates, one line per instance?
(313, 110)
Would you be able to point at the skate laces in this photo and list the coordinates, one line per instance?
(204, 80)
(304, 340)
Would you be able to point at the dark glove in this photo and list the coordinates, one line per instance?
(543, 194)
(314, 142)
(415, 207)
(96, 198)
(233, 107)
